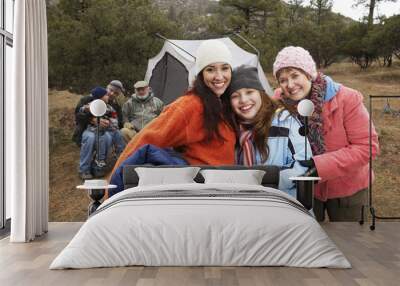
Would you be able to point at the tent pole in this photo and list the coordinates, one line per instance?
(165, 39)
(247, 42)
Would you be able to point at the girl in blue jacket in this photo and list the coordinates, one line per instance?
(267, 134)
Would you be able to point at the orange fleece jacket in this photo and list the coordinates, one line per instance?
(181, 124)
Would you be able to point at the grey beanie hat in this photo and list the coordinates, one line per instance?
(116, 83)
(245, 77)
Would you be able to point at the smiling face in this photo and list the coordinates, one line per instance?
(246, 102)
(217, 77)
(295, 84)
(112, 91)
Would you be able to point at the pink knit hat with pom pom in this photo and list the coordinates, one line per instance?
(295, 57)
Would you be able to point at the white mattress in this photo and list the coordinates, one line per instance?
(184, 230)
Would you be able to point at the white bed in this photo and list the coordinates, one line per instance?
(203, 225)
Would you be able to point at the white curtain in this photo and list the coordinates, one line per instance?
(27, 124)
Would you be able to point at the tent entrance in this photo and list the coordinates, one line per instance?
(169, 79)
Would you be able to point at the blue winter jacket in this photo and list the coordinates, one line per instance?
(286, 147)
(147, 154)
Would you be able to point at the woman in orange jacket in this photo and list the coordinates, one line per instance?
(339, 134)
(196, 123)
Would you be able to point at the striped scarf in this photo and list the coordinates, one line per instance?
(316, 123)
(246, 154)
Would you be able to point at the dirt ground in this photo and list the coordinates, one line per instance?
(70, 204)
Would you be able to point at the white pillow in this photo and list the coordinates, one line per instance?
(166, 176)
(248, 177)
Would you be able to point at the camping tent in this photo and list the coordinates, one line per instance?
(172, 71)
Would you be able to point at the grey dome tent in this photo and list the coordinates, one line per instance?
(171, 72)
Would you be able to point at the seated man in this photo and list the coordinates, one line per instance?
(108, 128)
(117, 98)
(139, 110)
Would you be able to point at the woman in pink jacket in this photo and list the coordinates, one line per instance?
(339, 134)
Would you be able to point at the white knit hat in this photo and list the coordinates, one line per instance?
(212, 51)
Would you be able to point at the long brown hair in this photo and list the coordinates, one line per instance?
(214, 111)
(262, 123)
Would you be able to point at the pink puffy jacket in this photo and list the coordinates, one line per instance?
(344, 166)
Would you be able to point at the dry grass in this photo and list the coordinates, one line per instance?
(69, 204)
(386, 189)
(66, 203)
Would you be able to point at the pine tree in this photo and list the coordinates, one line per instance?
(371, 5)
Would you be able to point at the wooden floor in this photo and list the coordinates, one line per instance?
(374, 255)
